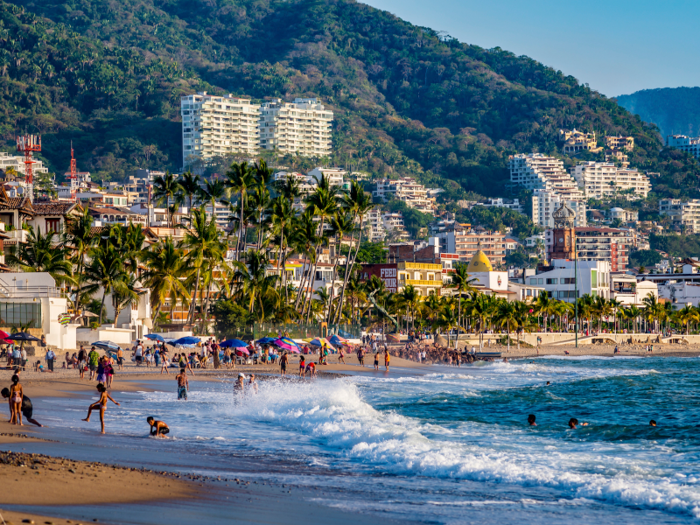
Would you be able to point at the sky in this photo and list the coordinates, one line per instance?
(616, 46)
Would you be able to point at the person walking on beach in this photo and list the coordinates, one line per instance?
(376, 361)
(109, 371)
(27, 408)
(387, 358)
(341, 356)
(182, 384)
(93, 360)
(283, 363)
(120, 358)
(164, 363)
(101, 405)
(158, 428)
(50, 358)
(16, 396)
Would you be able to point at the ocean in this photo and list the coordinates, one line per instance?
(453, 445)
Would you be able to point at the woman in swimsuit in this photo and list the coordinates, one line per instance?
(101, 405)
(341, 356)
(16, 395)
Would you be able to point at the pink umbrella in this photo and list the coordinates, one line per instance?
(240, 351)
(286, 344)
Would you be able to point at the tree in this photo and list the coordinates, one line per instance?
(165, 189)
(463, 284)
(39, 254)
(240, 179)
(189, 187)
(165, 274)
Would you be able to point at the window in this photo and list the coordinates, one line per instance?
(540, 281)
(551, 281)
(533, 282)
(568, 280)
(53, 225)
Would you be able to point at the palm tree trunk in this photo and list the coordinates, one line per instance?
(349, 264)
(193, 306)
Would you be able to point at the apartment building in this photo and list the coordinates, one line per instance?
(301, 127)
(536, 171)
(426, 278)
(511, 204)
(603, 179)
(382, 224)
(682, 142)
(576, 141)
(610, 245)
(620, 143)
(564, 279)
(466, 243)
(546, 202)
(16, 162)
(407, 190)
(215, 126)
(334, 176)
(683, 214)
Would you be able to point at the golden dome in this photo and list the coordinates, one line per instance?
(479, 263)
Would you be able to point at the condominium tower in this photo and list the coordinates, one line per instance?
(302, 127)
(604, 179)
(218, 127)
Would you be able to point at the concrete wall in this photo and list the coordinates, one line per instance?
(120, 336)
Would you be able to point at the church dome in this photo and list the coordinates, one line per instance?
(479, 263)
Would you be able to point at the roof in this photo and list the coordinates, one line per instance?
(53, 208)
(479, 263)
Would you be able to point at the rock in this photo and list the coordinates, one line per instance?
(71, 471)
(27, 521)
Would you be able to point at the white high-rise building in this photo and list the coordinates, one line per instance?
(604, 179)
(535, 171)
(545, 202)
(218, 127)
(302, 127)
(684, 143)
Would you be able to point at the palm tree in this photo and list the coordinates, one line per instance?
(341, 224)
(165, 189)
(688, 315)
(105, 271)
(410, 299)
(252, 283)
(39, 254)
(463, 284)
(189, 187)
(204, 248)
(239, 179)
(282, 217)
(544, 306)
(212, 192)
(165, 271)
(507, 315)
(80, 239)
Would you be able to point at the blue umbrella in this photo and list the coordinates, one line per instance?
(185, 341)
(155, 337)
(106, 345)
(22, 336)
(235, 343)
(266, 340)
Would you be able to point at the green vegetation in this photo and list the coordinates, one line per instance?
(407, 100)
(673, 110)
(676, 245)
(497, 219)
(644, 258)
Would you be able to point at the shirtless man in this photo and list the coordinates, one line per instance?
(158, 428)
(101, 405)
(284, 360)
(183, 385)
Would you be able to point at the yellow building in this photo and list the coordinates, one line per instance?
(620, 143)
(424, 277)
(575, 141)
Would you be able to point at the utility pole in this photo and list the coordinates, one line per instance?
(576, 286)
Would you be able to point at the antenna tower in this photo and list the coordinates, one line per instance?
(73, 177)
(28, 144)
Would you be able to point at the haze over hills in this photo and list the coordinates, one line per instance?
(108, 75)
(673, 110)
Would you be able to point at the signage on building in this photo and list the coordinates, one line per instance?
(388, 273)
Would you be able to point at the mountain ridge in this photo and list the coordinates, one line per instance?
(407, 101)
(673, 110)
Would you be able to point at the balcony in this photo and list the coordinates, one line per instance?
(420, 282)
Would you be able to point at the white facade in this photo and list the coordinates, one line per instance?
(546, 202)
(17, 162)
(604, 179)
(628, 291)
(683, 214)
(536, 171)
(302, 127)
(511, 204)
(680, 293)
(407, 190)
(218, 127)
(560, 283)
(334, 176)
(684, 143)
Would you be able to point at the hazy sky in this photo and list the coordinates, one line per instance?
(616, 46)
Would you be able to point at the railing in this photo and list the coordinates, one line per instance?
(420, 282)
(419, 266)
(29, 291)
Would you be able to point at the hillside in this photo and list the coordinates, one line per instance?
(407, 100)
(673, 110)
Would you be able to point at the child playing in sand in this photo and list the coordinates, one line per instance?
(158, 428)
(311, 369)
(101, 404)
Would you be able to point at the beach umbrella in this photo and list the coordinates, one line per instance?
(241, 351)
(266, 340)
(4, 335)
(319, 341)
(233, 343)
(186, 341)
(337, 341)
(286, 344)
(106, 345)
(155, 337)
(22, 336)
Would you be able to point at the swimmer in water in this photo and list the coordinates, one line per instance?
(239, 385)
(158, 428)
(531, 420)
(548, 383)
(652, 423)
(573, 423)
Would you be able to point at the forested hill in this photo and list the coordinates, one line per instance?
(674, 110)
(108, 74)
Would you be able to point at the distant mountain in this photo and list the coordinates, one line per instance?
(109, 74)
(674, 110)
